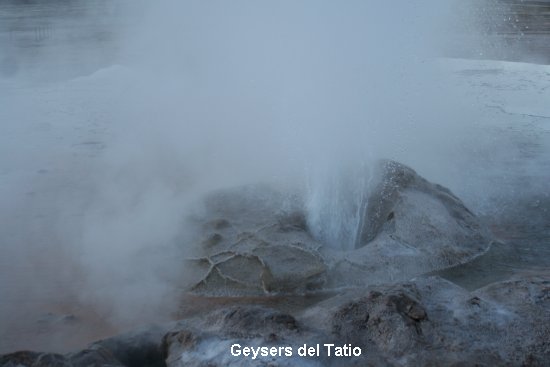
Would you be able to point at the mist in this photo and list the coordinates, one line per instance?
(100, 167)
(312, 92)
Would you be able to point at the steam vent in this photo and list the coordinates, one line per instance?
(274, 183)
(409, 227)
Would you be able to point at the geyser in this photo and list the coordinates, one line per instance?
(206, 95)
(336, 205)
(309, 93)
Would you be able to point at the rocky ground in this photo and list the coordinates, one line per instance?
(423, 322)
(372, 305)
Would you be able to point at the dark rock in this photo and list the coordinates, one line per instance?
(255, 320)
(295, 221)
(389, 320)
(90, 357)
(22, 358)
(218, 224)
(94, 356)
(213, 239)
(83, 358)
(140, 348)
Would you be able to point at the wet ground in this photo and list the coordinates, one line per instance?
(522, 246)
(53, 40)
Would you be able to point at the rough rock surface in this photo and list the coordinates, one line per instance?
(255, 240)
(424, 322)
(410, 227)
(140, 348)
(93, 356)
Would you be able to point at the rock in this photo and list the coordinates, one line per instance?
(389, 321)
(427, 321)
(95, 355)
(33, 359)
(410, 227)
(430, 321)
(254, 320)
(407, 207)
(207, 340)
(252, 245)
(254, 240)
(139, 348)
(524, 302)
(291, 268)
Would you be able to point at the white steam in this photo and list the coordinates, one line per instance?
(312, 91)
(212, 94)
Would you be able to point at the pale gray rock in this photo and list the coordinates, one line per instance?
(409, 227)
(254, 240)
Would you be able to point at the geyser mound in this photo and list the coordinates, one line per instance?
(255, 240)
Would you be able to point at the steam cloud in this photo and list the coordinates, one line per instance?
(209, 95)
